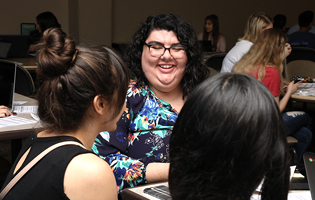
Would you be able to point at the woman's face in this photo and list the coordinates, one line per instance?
(163, 73)
(208, 26)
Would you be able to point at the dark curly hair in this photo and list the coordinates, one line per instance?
(195, 71)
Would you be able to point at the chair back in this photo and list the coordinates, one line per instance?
(301, 53)
(303, 68)
(24, 82)
(215, 61)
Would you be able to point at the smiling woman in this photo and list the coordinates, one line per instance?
(165, 59)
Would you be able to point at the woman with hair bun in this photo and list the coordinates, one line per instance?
(82, 92)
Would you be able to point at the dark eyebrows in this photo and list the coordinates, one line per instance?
(161, 44)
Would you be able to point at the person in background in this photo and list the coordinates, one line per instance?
(229, 137)
(303, 37)
(255, 25)
(166, 61)
(44, 21)
(279, 21)
(211, 32)
(296, 27)
(82, 92)
(5, 112)
(264, 62)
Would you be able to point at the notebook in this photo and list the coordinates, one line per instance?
(7, 83)
(19, 45)
(309, 163)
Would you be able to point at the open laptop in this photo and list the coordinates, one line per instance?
(7, 83)
(4, 49)
(206, 45)
(19, 45)
(27, 28)
(309, 163)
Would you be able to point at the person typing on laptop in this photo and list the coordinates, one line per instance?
(5, 112)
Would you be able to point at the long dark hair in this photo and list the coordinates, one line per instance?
(195, 72)
(228, 137)
(71, 76)
(47, 20)
(215, 32)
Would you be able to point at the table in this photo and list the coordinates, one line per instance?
(29, 63)
(136, 193)
(17, 133)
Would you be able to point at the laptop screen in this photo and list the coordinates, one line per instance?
(7, 83)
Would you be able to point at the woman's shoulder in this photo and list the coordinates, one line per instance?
(89, 176)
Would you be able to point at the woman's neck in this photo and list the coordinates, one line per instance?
(174, 97)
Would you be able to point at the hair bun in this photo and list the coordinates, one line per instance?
(55, 53)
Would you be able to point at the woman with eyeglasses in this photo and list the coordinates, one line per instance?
(165, 59)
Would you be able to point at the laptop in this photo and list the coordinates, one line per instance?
(309, 163)
(7, 83)
(27, 28)
(19, 45)
(206, 45)
(4, 49)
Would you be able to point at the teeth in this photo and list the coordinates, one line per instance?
(166, 66)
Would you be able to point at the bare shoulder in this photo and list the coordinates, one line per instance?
(89, 177)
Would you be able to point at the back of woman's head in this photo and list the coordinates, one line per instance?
(195, 71)
(229, 136)
(47, 20)
(71, 76)
(256, 23)
(267, 49)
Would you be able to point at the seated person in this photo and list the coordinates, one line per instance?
(211, 32)
(165, 58)
(82, 92)
(264, 62)
(5, 112)
(228, 137)
(44, 21)
(296, 27)
(279, 21)
(256, 23)
(303, 38)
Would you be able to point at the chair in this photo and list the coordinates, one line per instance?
(291, 143)
(24, 83)
(215, 61)
(301, 53)
(303, 68)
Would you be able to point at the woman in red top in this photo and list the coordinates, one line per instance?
(264, 62)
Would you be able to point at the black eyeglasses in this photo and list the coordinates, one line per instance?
(157, 50)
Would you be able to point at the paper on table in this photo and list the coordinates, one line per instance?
(303, 195)
(18, 103)
(13, 121)
(25, 109)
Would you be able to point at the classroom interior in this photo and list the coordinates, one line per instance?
(104, 22)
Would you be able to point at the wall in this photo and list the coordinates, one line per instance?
(107, 21)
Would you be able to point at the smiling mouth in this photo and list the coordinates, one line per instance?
(166, 66)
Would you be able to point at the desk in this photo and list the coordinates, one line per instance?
(17, 133)
(136, 193)
(29, 63)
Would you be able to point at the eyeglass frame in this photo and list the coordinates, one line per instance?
(169, 49)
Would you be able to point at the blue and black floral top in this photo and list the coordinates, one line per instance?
(142, 137)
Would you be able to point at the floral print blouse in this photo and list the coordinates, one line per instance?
(142, 137)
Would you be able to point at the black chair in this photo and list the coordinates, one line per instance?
(24, 84)
(215, 61)
(301, 53)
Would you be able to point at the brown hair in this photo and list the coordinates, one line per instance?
(71, 76)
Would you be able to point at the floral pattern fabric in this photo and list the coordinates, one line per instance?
(142, 137)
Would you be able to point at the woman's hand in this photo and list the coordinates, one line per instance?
(292, 87)
(287, 50)
(5, 112)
